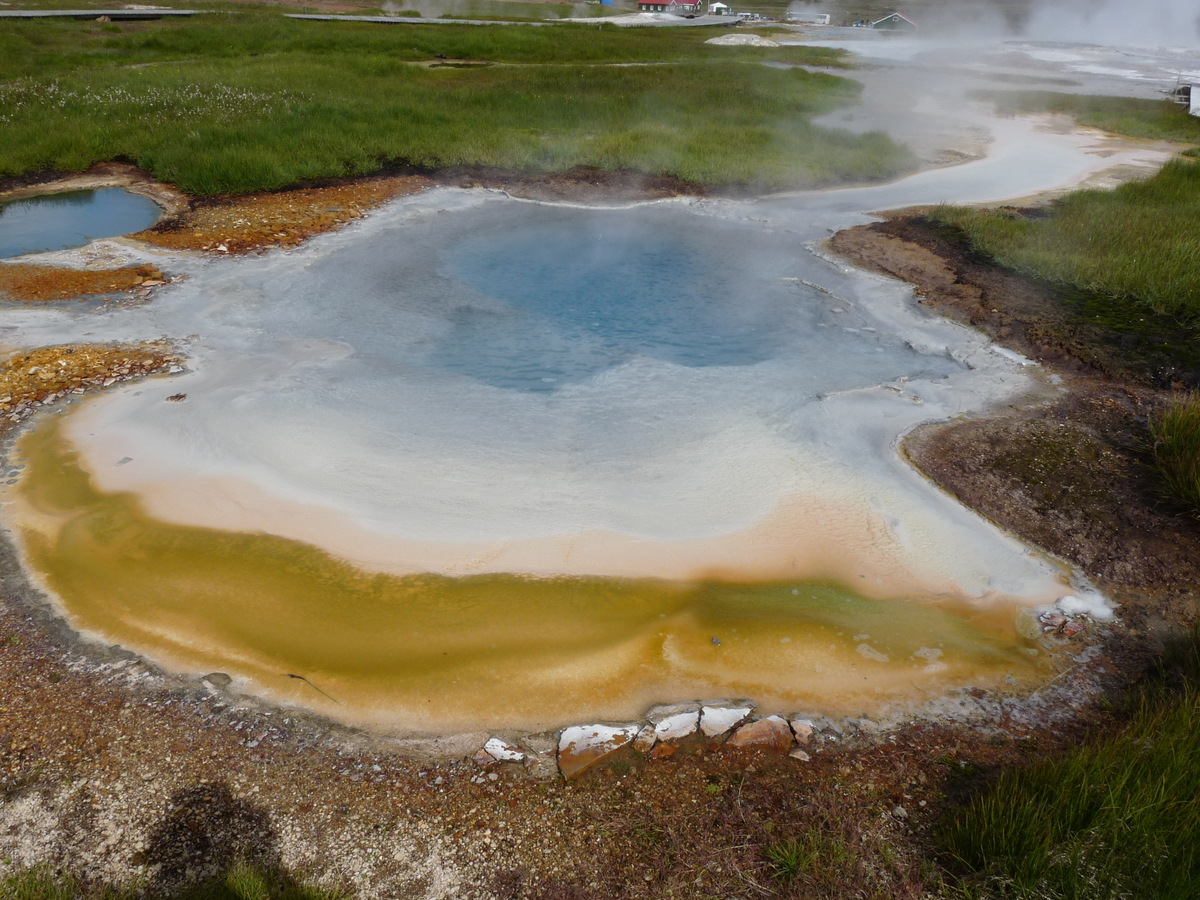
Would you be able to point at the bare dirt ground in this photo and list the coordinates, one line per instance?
(124, 775)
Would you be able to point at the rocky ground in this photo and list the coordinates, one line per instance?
(124, 775)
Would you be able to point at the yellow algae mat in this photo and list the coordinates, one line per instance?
(430, 653)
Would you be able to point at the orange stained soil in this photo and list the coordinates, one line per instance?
(39, 377)
(30, 283)
(279, 219)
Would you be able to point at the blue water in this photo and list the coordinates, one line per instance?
(576, 302)
(61, 221)
(534, 299)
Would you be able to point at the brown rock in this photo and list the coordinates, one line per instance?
(582, 746)
(771, 733)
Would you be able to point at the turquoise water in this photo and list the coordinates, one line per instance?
(532, 299)
(572, 304)
(61, 221)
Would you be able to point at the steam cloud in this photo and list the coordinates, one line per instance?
(1155, 23)
(1147, 23)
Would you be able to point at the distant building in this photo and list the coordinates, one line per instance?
(895, 22)
(809, 18)
(670, 6)
(719, 9)
(1187, 95)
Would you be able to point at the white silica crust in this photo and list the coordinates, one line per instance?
(696, 392)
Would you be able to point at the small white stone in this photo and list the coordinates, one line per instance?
(677, 727)
(504, 752)
(718, 720)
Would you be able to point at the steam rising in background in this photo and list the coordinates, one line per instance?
(1168, 23)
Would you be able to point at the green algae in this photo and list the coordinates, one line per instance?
(430, 652)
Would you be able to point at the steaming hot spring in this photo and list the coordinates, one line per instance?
(475, 462)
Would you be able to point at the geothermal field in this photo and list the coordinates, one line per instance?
(476, 460)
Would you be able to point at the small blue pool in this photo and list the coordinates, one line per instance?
(72, 219)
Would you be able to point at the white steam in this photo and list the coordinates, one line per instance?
(1158, 23)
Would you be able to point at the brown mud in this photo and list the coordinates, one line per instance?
(121, 774)
(42, 376)
(287, 218)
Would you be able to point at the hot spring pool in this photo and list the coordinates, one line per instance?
(71, 219)
(478, 463)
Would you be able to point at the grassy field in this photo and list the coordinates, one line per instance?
(1158, 120)
(1138, 242)
(1118, 817)
(254, 102)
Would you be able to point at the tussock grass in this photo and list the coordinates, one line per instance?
(261, 102)
(1138, 242)
(1176, 436)
(1118, 817)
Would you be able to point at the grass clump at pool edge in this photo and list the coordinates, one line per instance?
(1176, 444)
(1117, 817)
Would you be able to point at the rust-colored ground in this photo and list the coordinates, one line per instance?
(33, 284)
(42, 376)
(282, 219)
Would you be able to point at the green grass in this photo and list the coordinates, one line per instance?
(241, 882)
(257, 102)
(1176, 436)
(1159, 120)
(1138, 242)
(811, 857)
(56, 46)
(1119, 817)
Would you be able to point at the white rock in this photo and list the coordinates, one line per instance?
(742, 40)
(504, 752)
(675, 728)
(582, 746)
(664, 711)
(1087, 604)
(718, 720)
